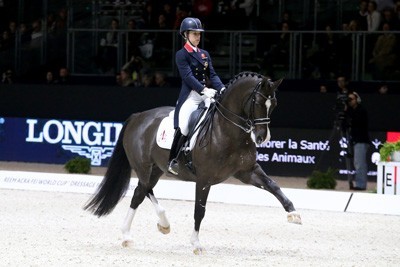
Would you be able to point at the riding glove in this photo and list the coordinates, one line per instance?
(209, 92)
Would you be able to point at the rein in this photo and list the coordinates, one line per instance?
(247, 125)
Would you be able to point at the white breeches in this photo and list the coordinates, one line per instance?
(190, 105)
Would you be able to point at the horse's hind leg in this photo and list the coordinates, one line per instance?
(126, 228)
(138, 197)
(163, 223)
(259, 179)
(141, 191)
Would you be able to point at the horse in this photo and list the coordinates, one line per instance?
(225, 147)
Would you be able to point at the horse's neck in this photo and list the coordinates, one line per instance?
(230, 116)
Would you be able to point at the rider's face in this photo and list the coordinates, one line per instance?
(194, 37)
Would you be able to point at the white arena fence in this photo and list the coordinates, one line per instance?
(224, 193)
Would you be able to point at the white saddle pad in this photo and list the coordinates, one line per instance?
(166, 131)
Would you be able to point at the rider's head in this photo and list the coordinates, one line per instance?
(190, 24)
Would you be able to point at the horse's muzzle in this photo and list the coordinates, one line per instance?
(262, 135)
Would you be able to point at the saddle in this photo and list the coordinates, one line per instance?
(165, 133)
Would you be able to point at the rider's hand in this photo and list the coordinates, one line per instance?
(209, 92)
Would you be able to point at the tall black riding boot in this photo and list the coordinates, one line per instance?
(172, 162)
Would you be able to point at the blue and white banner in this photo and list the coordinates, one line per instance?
(291, 152)
(57, 141)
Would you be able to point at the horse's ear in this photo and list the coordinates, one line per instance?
(276, 84)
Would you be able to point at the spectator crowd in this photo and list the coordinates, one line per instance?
(326, 56)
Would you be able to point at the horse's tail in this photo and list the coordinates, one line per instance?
(115, 182)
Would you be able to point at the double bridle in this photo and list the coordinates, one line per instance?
(248, 124)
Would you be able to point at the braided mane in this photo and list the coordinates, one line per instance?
(243, 74)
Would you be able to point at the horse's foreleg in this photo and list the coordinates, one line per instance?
(199, 212)
(163, 223)
(259, 179)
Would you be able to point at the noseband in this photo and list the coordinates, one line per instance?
(248, 124)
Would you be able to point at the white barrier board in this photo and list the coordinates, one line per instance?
(224, 193)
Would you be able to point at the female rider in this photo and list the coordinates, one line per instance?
(198, 80)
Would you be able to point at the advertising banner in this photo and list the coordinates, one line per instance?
(57, 141)
(297, 152)
(290, 152)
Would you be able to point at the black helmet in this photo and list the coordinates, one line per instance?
(191, 24)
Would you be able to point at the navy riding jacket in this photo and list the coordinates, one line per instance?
(197, 72)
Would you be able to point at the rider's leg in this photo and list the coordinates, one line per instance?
(180, 137)
(174, 150)
(173, 164)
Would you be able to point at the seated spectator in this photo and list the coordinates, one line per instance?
(384, 54)
(50, 78)
(36, 35)
(389, 17)
(287, 18)
(383, 90)
(361, 15)
(163, 42)
(160, 79)
(7, 77)
(345, 44)
(133, 38)
(147, 79)
(373, 17)
(328, 54)
(169, 14)
(108, 50)
(63, 77)
(126, 78)
(5, 41)
(323, 88)
(149, 16)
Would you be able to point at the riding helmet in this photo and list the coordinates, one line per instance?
(191, 24)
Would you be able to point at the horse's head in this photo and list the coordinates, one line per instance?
(263, 102)
(248, 103)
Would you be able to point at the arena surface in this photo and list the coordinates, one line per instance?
(51, 229)
(39, 228)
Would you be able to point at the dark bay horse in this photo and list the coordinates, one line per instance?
(225, 147)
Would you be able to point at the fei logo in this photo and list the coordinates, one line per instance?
(93, 140)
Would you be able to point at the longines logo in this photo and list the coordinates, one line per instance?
(93, 140)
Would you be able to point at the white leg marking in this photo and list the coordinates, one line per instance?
(163, 223)
(126, 228)
(197, 247)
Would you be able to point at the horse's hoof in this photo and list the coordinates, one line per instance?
(164, 230)
(199, 251)
(294, 217)
(127, 243)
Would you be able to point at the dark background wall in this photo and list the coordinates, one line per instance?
(303, 109)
